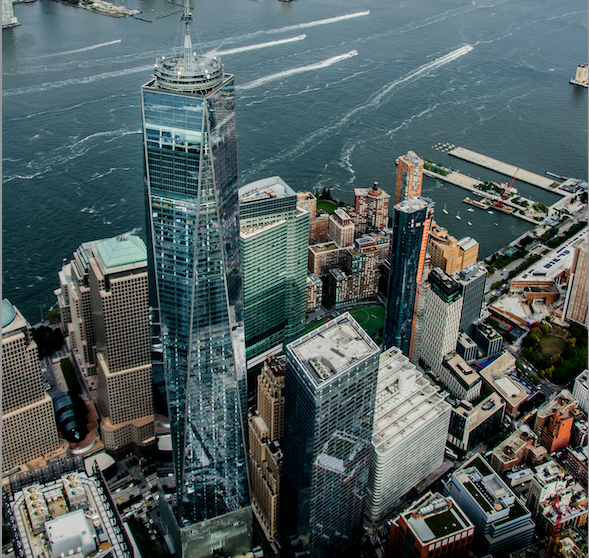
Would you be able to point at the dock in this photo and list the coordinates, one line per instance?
(505, 169)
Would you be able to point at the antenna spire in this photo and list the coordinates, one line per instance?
(187, 46)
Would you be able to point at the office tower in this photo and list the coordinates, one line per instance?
(581, 391)
(470, 425)
(330, 387)
(341, 228)
(117, 278)
(409, 177)
(266, 430)
(28, 422)
(274, 236)
(314, 291)
(502, 523)
(441, 318)
(411, 222)
(373, 205)
(554, 421)
(459, 378)
(75, 306)
(472, 281)
(576, 303)
(448, 253)
(191, 176)
(420, 297)
(432, 526)
(409, 434)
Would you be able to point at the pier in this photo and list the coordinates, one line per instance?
(505, 169)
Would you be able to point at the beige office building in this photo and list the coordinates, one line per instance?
(448, 253)
(117, 271)
(266, 430)
(409, 177)
(28, 421)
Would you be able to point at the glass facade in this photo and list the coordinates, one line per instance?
(274, 245)
(330, 388)
(411, 222)
(191, 176)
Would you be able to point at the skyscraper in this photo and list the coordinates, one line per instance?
(191, 177)
(576, 302)
(330, 387)
(274, 241)
(441, 318)
(409, 177)
(373, 205)
(472, 280)
(411, 222)
(28, 421)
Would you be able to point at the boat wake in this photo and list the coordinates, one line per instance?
(84, 49)
(299, 70)
(319, 22)
(258, 46)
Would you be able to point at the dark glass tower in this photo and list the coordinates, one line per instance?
(411, 222)
(191, 176)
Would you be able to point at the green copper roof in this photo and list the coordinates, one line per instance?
(8, 313)
(121, 250)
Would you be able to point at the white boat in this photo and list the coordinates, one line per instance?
(458, 215)
(469, 223)
(470, 209)
(490, 212)
(445, 210)
(496, 224)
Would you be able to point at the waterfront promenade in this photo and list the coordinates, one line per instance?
(505, 169)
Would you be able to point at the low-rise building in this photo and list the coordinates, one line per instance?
(502, 523)
(470, 424)
(499, 376)
(555, 494)
(433, 526)
(554, 421)
(522, 447)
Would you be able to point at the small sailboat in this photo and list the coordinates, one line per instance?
(490, 212)
(445, 210)
(469, 223)
(458, 215)
(470, 209)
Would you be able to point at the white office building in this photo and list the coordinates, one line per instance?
(409, 434)
(581, 391)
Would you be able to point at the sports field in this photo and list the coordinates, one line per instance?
(371, 318)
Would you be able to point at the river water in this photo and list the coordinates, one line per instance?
(307, 109)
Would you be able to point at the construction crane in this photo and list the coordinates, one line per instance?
(556, 528)
(499, 203)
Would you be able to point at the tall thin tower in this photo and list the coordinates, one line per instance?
(191, 177)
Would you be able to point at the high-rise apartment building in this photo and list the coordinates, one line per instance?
(358, 279)
(117, 277)
(331, 376)
(190, 144)
(576, 303)
(441, 319)
(28, 422)
(341, 228)
(409, 177)
(448, 253)
(411, 223)
(314, 291)
(409, 434)
(472, 280)
(266, 430)
(554, 421)
(308, 202)
(581, 391)
(433, 526)
(373, 205)
(274, 236)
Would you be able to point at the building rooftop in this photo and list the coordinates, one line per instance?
(483, 410)
(461, 370)
(249, 232)
(325, 247)
(467, 243)
(561, 403)
(509, 449)
(8, 313)
(554, 263)
(12, 319)
(405, 401)
(496, 375)
(414, 204)
(332, 348)
(267, 188)
(412, 157)
(469, 272)
(434, 517)
(121, 251)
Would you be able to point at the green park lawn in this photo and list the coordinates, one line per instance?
(327, 206)
(551, 345)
